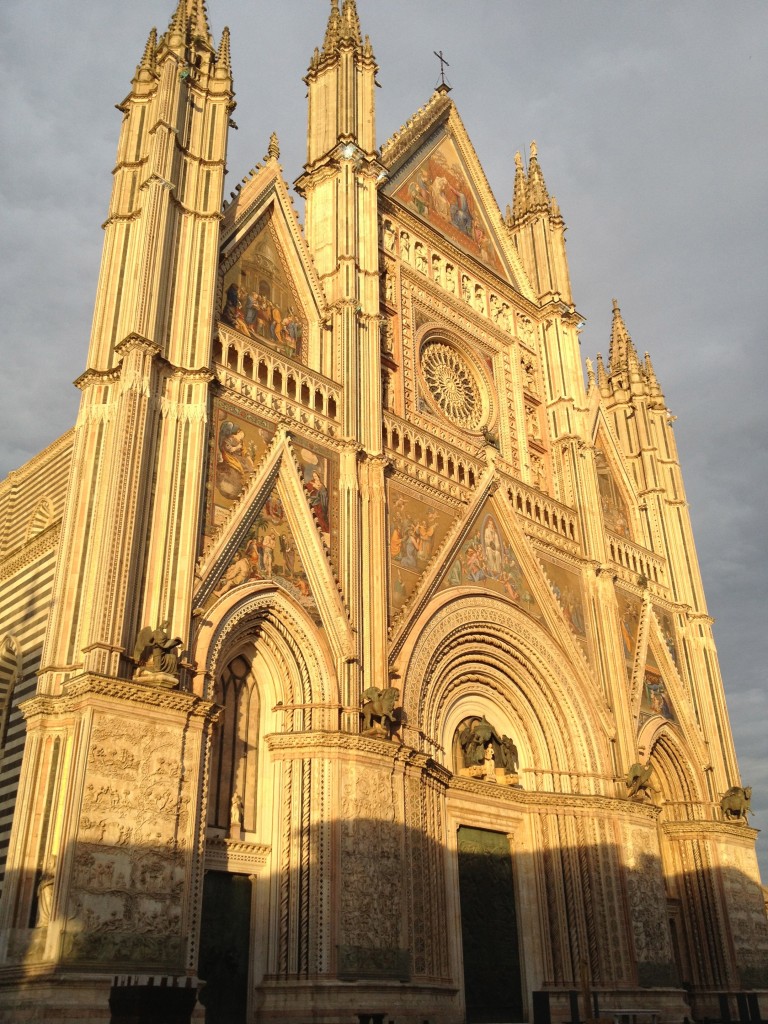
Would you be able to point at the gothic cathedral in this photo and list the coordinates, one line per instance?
(354, 659)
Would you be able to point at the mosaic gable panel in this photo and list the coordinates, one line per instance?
(654, 699)
(629, 623)
(416, 530)
(268, 552)
(667, 627)
(615, 515)
(439, 191)
(487, 559)
(567, 588)
(259, 300)
(238, 441)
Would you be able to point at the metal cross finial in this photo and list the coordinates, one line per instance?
(443, 65)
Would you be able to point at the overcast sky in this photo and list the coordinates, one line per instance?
(650, 120)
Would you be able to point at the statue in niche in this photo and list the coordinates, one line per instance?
(388, 235)
(487, 755)
(156, 657)
(405, 246)
(466, 290)
(437, 275)
(638, 779)
(380, 717)
(735, 802)
(421, 259)
(450, 278)
(45, 895)
(509, 756)
(236, 812)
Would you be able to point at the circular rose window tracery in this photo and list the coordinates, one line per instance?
(452, 385)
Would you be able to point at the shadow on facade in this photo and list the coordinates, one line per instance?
(363, 919)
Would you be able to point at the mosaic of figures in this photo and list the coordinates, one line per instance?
(238, 441)
(654, 699)
(614, 507)
(629, 621)
(416, 530)
(269, 552)
(667, 633)
(439, 192)
(567, 588)
(259, 300)
(487, 559)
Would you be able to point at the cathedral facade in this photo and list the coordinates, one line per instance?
(354, 659)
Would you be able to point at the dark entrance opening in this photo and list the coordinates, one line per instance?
(492, 986)
(225, 947)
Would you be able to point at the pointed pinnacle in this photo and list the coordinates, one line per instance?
(622, 351)
(590, 374)
(223, 62)
(520, 196)
(198, 20)
(273, 150)
(654, 388)
(146, 67)
(176, 34)
(537, 190)
(602, 377)
(333, 29)
(350, 22)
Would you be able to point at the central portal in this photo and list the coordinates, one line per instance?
(492, 987)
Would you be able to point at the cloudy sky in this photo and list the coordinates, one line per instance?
(651, 127)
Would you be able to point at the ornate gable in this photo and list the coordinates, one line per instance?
(435, 175)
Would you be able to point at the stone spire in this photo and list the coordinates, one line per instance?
(350, 22)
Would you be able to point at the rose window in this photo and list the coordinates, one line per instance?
(451, 384)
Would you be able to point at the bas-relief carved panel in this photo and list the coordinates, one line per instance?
(416, 530)
(133, 847)
(487, 559)
(648, 909)
(615, 515)
(746, 913)
(439, 192)
(259, 300)
(371, 875)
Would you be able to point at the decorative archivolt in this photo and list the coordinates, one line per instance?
(678, 770)
(267, 619)
(480, 648)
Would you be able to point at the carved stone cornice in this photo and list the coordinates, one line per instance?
(309, 744)
(236, 855)
(81, 689)
(710, 829)
(555, 803)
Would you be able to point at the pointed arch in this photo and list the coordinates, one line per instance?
(10, 674)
